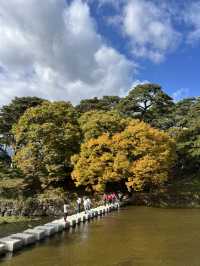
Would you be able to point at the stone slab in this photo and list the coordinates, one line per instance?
(99, 212)
(27, 239)
(58, 226)
(103, 210)
(95, 213)
(11, 244)
(77, 218)
(62, 223)
(87, 216)
(2, 249)
(39, 234)
(83, 218)
(71, 221)
(49, 230)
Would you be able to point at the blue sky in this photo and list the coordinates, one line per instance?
(70, 50)
(178, 73)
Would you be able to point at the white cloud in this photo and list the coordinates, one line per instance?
(192, 19)
(52, 50)
(180, 94)
(149, 28)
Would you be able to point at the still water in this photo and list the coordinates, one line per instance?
(134, 236)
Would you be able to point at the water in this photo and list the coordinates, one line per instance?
(8, 229)
(135, 236)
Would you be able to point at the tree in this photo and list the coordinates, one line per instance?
(147, 102)
(107, 103)
(46, 136)
(10, 114)
(131, 156)
(182, 112)
(11, 181)
(4, 157)
(94, 123)
(187, 134)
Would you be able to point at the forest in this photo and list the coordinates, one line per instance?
(144, 141)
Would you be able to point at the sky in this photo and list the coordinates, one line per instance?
(77, 49)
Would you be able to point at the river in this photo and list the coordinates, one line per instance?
(133, 236)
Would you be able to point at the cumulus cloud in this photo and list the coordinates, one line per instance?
(149, 28)
(180, 94)
(192, 19)
(52, 49)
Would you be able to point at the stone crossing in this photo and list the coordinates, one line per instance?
(30, 236)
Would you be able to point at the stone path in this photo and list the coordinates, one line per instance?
(30, 236)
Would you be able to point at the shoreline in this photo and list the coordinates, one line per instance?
(14, 211)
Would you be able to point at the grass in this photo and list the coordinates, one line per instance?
(14, 219)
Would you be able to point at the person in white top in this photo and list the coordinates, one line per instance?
(65, 209)
(85, 204)
(89, 203)
(78, 201)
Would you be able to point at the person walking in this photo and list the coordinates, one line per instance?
(85, 204)
(110, 199)
(114, 198)
(105, 199)
(65, 209)
(89, 203)
(78, 201)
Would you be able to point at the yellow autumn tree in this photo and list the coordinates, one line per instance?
(140, 156)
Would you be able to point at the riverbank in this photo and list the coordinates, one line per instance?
(21, 210)
(34, 207)
(14, 219)
(166, 199)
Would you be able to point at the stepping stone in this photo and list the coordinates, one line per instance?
(39, 234)
(87, 216)
(2, 248)
(71, 221)
(82, 217)
(11, 244)
(27, 239)
(91, 214)
(95, 213)
(58, 226)
(99, 212)
(77, 218)
(50, 230)
(62, 223)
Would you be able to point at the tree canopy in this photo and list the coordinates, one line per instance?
(138, 141)
(147, 102)
(94, 123)
(106, 103)
(46, 136)
(131, 155)
(10, 114)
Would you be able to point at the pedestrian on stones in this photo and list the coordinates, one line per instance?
(85, 204)
(89, 203)
(105, 199)
(110, 198)
(65, 209)
(120, 196)
(114, 198)
(78, 201)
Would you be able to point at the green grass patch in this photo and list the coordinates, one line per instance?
(14, 219)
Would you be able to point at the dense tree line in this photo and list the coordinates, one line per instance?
(138, 142)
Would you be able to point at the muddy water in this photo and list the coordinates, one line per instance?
(135, 236)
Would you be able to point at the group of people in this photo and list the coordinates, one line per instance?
(85, 201)
(112, 198)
